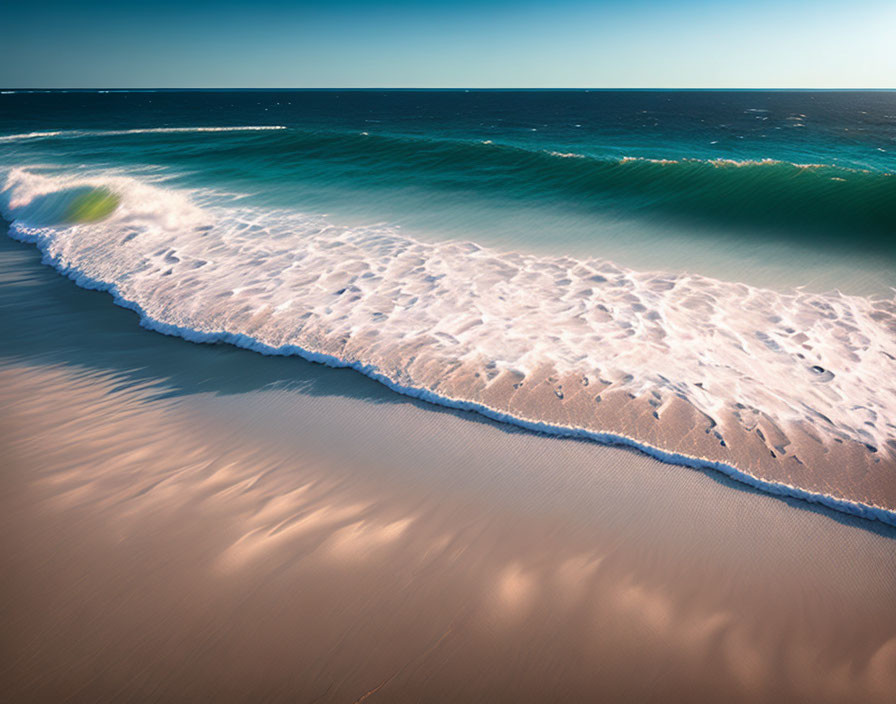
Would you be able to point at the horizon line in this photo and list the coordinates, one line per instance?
(447, 89)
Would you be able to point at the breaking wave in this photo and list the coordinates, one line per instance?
(796, 200)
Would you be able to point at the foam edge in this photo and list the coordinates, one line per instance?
(772, 488)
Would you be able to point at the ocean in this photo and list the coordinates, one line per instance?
(705, 276)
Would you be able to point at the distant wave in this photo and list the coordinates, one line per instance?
(791, 393)
(797, 200)
(71, 134)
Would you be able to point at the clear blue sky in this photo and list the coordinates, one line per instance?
(493, 43)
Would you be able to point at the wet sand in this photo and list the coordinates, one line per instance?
(192, 523)
(275, 545)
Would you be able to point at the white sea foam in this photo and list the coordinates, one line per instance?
(645, 160)
(567, 155)
(28, 135)
(415, 313)
(726, 162)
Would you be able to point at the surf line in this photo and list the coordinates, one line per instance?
(779, 489)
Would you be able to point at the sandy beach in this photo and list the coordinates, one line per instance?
(190, 522)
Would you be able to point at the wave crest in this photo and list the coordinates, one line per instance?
(74, 134)
(797, 200)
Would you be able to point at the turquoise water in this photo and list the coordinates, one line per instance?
(600, 264)
(700, 181)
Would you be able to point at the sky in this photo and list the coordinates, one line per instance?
(444, 44)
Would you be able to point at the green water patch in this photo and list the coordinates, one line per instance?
(92, 205)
